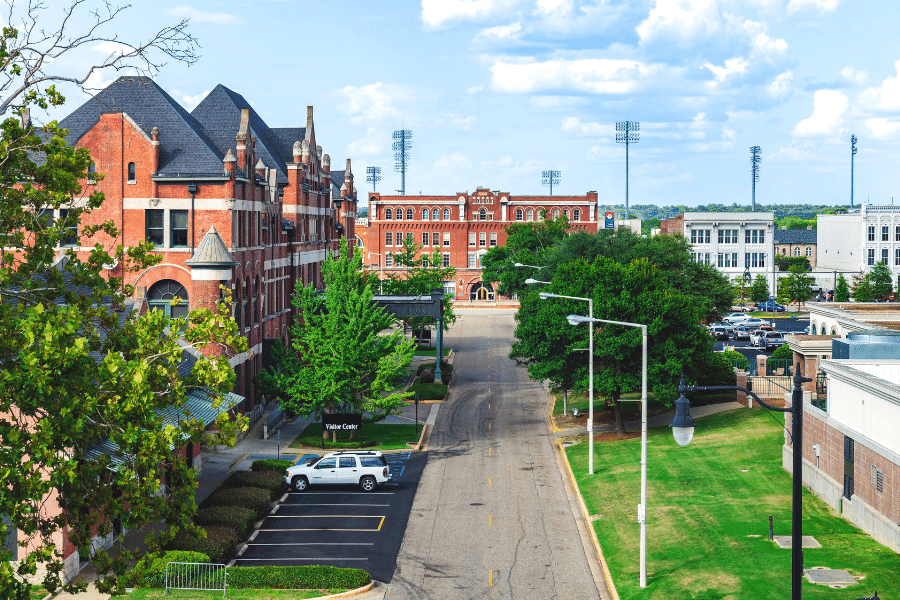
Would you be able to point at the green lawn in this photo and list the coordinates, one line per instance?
(708, 509)
(423, 351)
(580, 401)
(233, 594)
(378, 436)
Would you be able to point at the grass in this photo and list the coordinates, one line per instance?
(580, 401)
(426, 351)
(429, 391)
(377, 436)
(707, 526)
(233, 594)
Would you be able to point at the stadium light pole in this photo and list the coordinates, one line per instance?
(627, 135)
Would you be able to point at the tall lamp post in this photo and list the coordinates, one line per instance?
(683, 431)
(380, 269)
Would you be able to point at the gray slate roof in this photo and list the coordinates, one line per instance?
(211, 252)
(184, 149)
(795, 236)
(337, 180)
(219, 114)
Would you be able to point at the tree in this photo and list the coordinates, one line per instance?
(339, 361)
(759, 291)
(638, 293)
(841, 289)
(784, 263)
(861, 288)
(880, 278)
(796, 287)
(741, 289)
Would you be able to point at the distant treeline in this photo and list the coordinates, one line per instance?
(651, 211)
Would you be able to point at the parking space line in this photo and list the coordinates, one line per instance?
(296, 559)
(380, 524)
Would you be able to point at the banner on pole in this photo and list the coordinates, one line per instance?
(610, 220)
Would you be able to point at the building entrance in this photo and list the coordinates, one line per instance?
(482, 291)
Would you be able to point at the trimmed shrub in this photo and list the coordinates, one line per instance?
(239, 519)
(427, 376)
(268, 480)
(218, 544)
(734, 355)
(271, 464)
(429, 391)
(307, 577)
(782, 352)
(424, 367)
(153, 574)
(446, 372)
(256, 499)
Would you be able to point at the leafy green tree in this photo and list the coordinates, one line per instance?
(796, 287)
(741, 288)
(880, 279)
(339, 360)
(861, 288)
(638, 293)
(841, 289)
(759, 291)
(784, 263)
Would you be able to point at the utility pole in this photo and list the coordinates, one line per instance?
(627, 135)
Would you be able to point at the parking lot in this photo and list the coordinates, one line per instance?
(788, 325)
(340, 525)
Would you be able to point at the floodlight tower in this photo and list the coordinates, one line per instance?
(402, 146)
(373, 176)
(627, 135)
(755, 159)
(550, 178)
(852, 154)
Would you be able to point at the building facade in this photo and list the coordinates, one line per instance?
(854, 242)
(795, 243)
(463, 226)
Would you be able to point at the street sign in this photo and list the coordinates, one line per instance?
(609, 220)
(341, 421)
(642, 514)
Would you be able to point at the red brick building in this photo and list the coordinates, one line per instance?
(225, 198)
(464, 226)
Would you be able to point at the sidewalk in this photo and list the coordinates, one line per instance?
(654, 421)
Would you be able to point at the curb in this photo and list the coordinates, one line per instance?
(366, 588)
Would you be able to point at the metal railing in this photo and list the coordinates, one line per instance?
(196, 576)
(741, 363)
(779, 367)
(273, 423)
(769, 386)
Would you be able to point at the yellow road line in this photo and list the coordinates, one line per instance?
(490, 451)
(489, 482)
(490, 521)
(380, 524)
(491, 578)
(489, 424)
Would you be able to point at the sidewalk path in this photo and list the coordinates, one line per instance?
(654, 421)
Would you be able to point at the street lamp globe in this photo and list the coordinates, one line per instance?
(683, 424)
(545, 295)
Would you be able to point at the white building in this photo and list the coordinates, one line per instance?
(856, 241)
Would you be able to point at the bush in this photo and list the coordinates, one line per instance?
(218, 544)
(153, 574)
(737, 356)
(427, 376)
(256, 499)
(783, 352)
(424, 367)
(312, 577)
(239, 519)
(446, 372)
(271, 464)
(268, 480)
(429, 391)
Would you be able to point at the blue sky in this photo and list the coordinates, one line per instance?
(495, 91)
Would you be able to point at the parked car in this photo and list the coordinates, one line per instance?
(722, 324)
(740, 308)
(772, 340)
(742, 332)
(720, 333)
(757, 335)
(769, 306)
(367, 469)
(735, 318)
(755, 323)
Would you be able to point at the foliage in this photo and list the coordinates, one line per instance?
(796, 287)
(649, 225)
(271, 464)
(759, 291)
(841, 289)
(238, 518)
(782, 352)
(714, 368)
(741, 288)
(429, 391)
(784, 263)
(881, 280)
(151, 571)
(637, 293)
(423, 274)
(253, 498)
(339, 361)
(80, 371)
(297, 578)
(268, 480)
(795, 222)
(734, 355)
(219, 543)
(861, 288)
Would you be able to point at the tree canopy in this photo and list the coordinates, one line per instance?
(759, 291)
(841, 289)
(881, 280)
(796, 287)
(423, 274)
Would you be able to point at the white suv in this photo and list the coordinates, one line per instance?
(368, 469)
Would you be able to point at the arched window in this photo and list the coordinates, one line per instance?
(576, 214)
(482, 215)
(409, 214)
(256, 306)
(435, 213)
(783, 252)
(161, 294)
(566, 213)
(529, 216)
(796, 251)
(833, 332)
(359, 244)
(446, 214)
(808, 251)
(388, 214)
(425, 218)
(555, 213)
(132, 173)
(811, 331)
(519, 217)
(399, 214)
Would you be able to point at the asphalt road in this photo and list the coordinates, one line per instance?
(492, 518)
(340, 525)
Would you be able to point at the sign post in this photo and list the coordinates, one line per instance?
(417, 416)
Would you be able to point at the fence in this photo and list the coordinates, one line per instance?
(196, 576)
(273, 423)
(770, 386)
(780, 366)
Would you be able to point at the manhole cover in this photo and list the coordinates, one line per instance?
(784, 541)
(829, 576)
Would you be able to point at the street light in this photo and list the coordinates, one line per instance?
(642, 507)
(530, 266)
(683, 431)
(380, 269)
(531, 281)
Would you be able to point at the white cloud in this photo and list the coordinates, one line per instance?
(594, 75)
(457, 160)
(190, 102)
(781, 86)
(110, 48)
(553, 6)
(458, 122)
(725, 143)
(209, 18)
(475, 89)
(733, 66)
(368, 103)
(882, 128)
(854, 76)
(828, 107)
(821, 5)
(436, 13)
(501, 33)
(574, 126)
(557, 101)
(681, 20)
(770, 48)
(369, 145)
(885, 97)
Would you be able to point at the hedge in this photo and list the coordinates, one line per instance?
(306, 577)
(154, 573)
(271, 464)
(256, 499)
(218, 544)
(268, 480)
(238, 518)
(429, 391)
